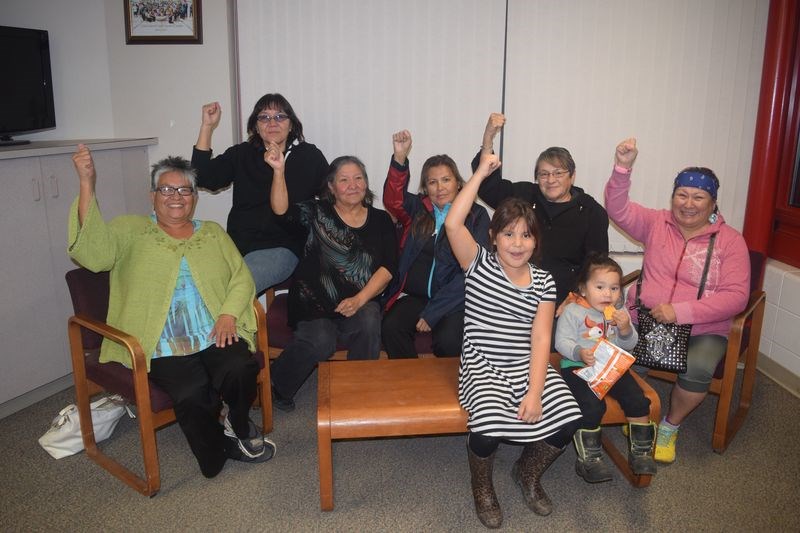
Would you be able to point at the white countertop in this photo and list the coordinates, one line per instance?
(39, 148)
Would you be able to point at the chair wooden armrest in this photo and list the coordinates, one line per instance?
(148, 421)
(630, 277)
(131, 344)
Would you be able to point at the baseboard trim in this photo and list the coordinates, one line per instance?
(36, 395)
(779, 374)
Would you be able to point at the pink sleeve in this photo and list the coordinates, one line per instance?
(632, 218)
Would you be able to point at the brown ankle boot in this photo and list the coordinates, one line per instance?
(536, 457)
(486, 505)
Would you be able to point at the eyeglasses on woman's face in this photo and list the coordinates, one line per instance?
(266, 118)
(168, 190)
(558, 174)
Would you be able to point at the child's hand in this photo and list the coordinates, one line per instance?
(530, 408)
(587, 356)
(488, 164)
(623, 322)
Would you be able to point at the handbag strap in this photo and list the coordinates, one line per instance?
(706, 266)
(703, 278)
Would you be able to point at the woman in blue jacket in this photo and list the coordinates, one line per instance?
(427, 295)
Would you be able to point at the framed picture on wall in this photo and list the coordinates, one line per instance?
(163, 22)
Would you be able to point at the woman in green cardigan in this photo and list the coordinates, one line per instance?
(181, 287)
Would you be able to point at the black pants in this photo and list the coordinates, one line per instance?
(195, 383)
(399, 328)
(626, 391)
(315, 341)
(484, 445)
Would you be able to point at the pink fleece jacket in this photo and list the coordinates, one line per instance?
(673, 266)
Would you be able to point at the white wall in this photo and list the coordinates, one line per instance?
(158, 90)
(682, 76)
(356, 71)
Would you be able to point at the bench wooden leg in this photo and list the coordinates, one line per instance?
(324, 447)
(325, 472)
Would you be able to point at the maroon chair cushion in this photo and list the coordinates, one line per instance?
(118, 379)
(278, 322)
(423, 342)
(89, 293)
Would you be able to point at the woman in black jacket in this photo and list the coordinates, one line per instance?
(572, 222)
(269, 251)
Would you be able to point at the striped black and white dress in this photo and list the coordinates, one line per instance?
(495, 361)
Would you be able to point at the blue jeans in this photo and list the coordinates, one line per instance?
(316, 340)
(270, 266)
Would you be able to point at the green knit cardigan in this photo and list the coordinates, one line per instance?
(143, 262)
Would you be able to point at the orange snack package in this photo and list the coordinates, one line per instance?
(610, 363)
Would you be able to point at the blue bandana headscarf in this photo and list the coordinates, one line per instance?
(697, 180)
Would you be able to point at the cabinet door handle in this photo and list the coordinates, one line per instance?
(37, 190)
(53, 186)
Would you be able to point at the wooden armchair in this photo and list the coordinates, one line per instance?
(743, 341)
(86, 329)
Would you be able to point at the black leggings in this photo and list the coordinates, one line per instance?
(484, 445)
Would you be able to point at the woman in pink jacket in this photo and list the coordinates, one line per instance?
(676, 242)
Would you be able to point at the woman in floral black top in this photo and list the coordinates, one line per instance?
(348, 259)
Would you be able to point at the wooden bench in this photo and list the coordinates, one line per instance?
(409, 397)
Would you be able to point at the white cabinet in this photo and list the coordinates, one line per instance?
(37, 186)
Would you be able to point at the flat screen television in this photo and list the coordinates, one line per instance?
(26, 83)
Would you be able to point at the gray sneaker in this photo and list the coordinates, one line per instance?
(254, 449)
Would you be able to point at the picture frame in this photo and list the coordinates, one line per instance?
(163, 22)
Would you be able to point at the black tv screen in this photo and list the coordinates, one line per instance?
(26, 83)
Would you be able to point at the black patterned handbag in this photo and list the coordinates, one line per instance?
(665, 346)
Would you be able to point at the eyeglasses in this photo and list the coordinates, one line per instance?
(278, 117)
(557, 174)
(168, 190)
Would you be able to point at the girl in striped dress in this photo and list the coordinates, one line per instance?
(505, 381)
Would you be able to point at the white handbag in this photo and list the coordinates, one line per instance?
(64, 436)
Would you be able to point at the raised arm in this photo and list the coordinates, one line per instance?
(494, 189)
(401, 142)
(493, 126)
(211, 114)
(631, 217)
(461, 240)
(396, 184)
(278, 194)
(625, 154)
(87, 177)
